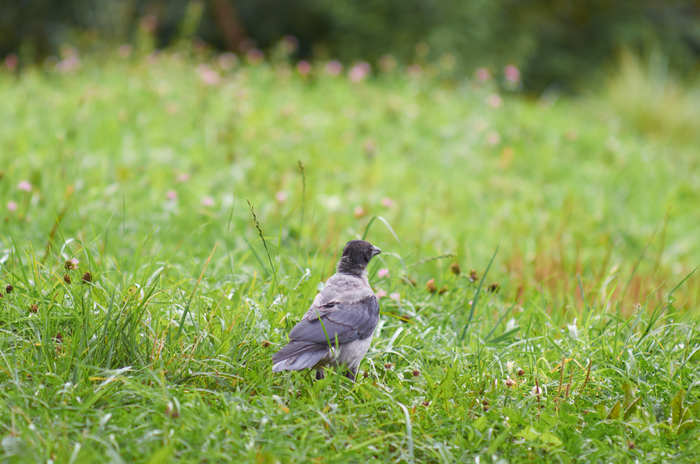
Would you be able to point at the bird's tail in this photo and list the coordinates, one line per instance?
(298, 355)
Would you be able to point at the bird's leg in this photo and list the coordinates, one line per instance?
(351, 373)
(319, 374)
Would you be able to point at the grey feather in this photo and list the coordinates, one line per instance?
(340, 288)
(343, 323)
(338, 327)
(339, 322)
(298, 355)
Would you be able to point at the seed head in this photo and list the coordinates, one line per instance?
(473, 276)
(87, 277)
(171, 411)
(9, 288)
(66, 279)
(454, 267)
(431, 286)
(521, 372)
(33, 308)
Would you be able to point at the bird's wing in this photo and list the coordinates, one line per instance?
(344, 322)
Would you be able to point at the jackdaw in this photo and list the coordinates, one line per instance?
(337, 329)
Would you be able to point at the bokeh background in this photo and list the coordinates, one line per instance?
(557, 44)
(178, 178)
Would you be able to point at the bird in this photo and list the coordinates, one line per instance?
(337, 329)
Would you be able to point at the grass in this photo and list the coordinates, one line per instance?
(207, 215)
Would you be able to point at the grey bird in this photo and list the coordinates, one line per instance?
(338, 327)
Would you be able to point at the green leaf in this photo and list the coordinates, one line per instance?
(481, 423)
(687, 426)
(677, 407)
(568, 414)
(546, 440)
(632, 406)
(550, 439)
(627, 389)
(496, 444)
(385, 222)
(695, 409)
(615, 411)
(476, 296)
(602, 413)
(504, 336)
(163, 455)
(529, 434)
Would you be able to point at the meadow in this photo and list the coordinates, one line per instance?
(166, 219)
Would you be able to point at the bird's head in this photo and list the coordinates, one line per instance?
(356, 256)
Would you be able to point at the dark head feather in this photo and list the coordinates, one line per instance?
(356, 256)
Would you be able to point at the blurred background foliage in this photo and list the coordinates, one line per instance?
(557, 44)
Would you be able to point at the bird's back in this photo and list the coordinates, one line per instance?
(340, 288)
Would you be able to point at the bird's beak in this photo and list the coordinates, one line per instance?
(375, 251)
